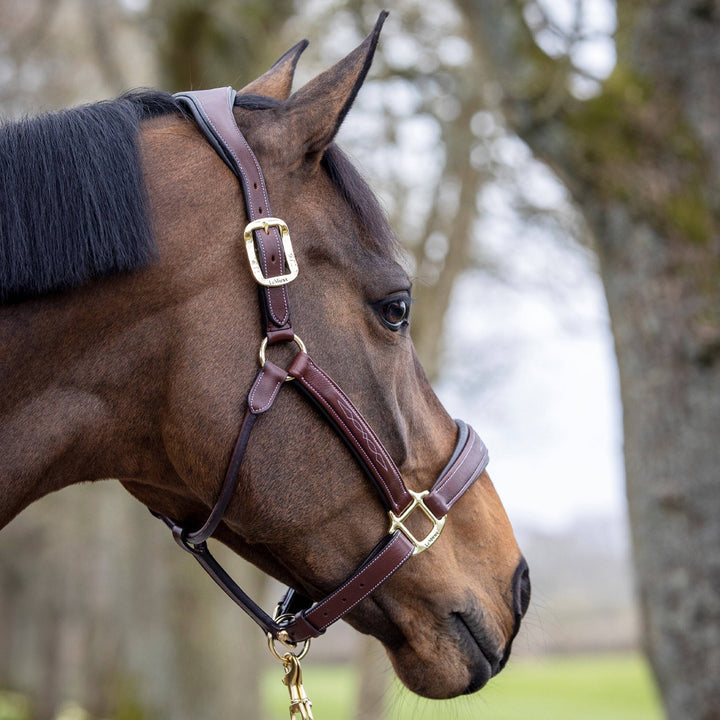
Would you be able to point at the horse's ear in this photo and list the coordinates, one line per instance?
(316, 111)
(277, 81)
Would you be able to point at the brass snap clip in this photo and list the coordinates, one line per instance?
(300, 704)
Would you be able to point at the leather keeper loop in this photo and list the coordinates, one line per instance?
(264, 390)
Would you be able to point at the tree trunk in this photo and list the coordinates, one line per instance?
(642, 161)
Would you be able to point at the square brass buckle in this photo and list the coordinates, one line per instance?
(396, 523)
(265, 224)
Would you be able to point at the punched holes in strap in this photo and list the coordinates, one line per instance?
(213, 111)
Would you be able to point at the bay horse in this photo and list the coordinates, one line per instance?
(129, 326)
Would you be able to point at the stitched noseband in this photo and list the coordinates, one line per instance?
(274, 266)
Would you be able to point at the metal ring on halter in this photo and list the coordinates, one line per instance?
(263, 348)
(288, 644)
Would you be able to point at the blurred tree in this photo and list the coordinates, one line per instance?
(640, 153)
(209, 43)
(55, 53)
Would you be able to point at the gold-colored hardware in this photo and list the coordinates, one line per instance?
(300, 705)
(396, 523)
(263, 349)
(265, 224)
(288, 645)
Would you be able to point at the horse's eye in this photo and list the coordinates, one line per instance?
(395, 312)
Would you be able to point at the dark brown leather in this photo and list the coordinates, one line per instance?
(357, 587)
(229, 484)
(215, 108)
(263, 392)
(213, 111)
(354, 428)
(266, 387)
(456, 479)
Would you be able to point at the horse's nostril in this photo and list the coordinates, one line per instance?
(521, 589)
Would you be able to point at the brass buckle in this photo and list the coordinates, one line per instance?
(265, 224)
(396, 523)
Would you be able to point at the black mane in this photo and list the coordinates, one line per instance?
(73, 204)
(72, 198)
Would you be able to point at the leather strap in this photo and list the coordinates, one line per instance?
(262, 395)
(393, 552)
(459, 474)
(354, 429)
(213, 110)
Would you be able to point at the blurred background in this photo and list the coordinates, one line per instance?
(552, 169)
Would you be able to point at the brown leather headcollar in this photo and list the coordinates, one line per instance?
(273, 265)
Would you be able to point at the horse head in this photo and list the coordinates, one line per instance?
(150, 384)
(303, 510)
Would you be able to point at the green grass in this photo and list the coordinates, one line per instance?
(593, 687)
(597, 687)
(13, 706)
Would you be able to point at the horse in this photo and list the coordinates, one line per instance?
(129, 326)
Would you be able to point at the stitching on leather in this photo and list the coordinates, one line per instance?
(341, 422)
(474, 476)
(251, 208)
(251, 399)
(344, 424)
(286, 310)
(378, 475)
(355, 579)
(283, 290)
(372, 444)
(458, 464)
(387, 464)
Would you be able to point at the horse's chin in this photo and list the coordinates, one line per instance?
(442, 657)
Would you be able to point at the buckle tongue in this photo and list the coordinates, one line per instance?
(265, 224)
(396, 522)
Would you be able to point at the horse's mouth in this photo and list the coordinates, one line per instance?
(473, 637)
(457, 657)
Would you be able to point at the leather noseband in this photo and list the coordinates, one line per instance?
(273, 265)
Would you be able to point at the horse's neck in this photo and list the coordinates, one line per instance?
(71, 409)
(95, 380)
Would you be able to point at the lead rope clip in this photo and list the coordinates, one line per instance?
(300, 704)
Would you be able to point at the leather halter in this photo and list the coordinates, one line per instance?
(270, 254)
